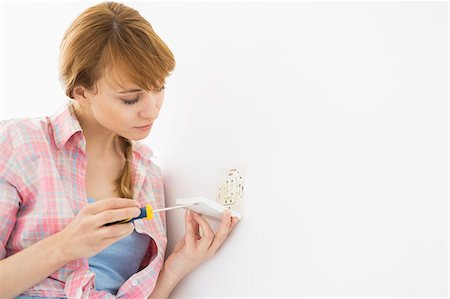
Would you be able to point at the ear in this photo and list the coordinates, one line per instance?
(79, 93)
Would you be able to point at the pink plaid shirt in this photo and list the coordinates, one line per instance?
(42, 187)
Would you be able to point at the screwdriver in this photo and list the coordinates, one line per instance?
(147, 213)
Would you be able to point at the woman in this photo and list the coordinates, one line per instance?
(62, 178)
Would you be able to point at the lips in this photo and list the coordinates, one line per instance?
(142, 127)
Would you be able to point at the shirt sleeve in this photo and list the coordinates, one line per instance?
(9, 195)
(9, 203)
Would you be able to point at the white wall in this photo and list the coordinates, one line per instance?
(337, 111)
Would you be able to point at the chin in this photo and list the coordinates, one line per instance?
(134, 138)
(138, 137)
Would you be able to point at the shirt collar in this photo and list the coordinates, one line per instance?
(65, 124)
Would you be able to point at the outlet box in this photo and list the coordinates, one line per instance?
(230, 191)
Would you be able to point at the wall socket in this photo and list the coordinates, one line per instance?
(230, 191)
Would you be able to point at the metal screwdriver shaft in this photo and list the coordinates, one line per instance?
(175, 207)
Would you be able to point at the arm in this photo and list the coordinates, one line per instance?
(191, 251)
(164, 286)
(83, 237)
(31, 265)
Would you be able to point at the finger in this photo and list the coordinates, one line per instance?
(195, 226)
(234, 221)
(208, 233)
(196, 230)
(115, 231)
(189, 227)
(221, 233)
(109, 204)
(111, 240)
(109, 216)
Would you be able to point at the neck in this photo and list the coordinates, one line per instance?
(100, 142)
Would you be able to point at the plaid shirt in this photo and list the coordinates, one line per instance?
(42, 187)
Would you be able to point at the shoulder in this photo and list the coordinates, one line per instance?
(21, 143)
(19, 133)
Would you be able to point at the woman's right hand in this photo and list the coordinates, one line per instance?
(86, 236)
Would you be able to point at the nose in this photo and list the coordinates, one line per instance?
(151, 106)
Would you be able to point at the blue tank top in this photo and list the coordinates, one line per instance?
(118, 262)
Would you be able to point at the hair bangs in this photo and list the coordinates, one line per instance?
(135, 62)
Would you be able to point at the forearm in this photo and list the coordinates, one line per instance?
(30, 266)
(164, 285)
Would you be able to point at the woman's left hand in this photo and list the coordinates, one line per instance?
(193, 249)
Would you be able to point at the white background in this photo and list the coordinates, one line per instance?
(336, 111)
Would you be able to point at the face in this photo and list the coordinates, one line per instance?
(123, 111)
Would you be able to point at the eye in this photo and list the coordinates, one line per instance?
(130, 102)
(156, 90)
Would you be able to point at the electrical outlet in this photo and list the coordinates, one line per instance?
(231, 189)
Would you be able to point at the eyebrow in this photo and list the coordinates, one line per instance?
(131, 90)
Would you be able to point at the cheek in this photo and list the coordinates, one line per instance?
(116, 115)
(122, 115)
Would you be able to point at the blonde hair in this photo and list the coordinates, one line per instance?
(114, 41)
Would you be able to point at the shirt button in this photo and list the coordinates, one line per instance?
(134, 282)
